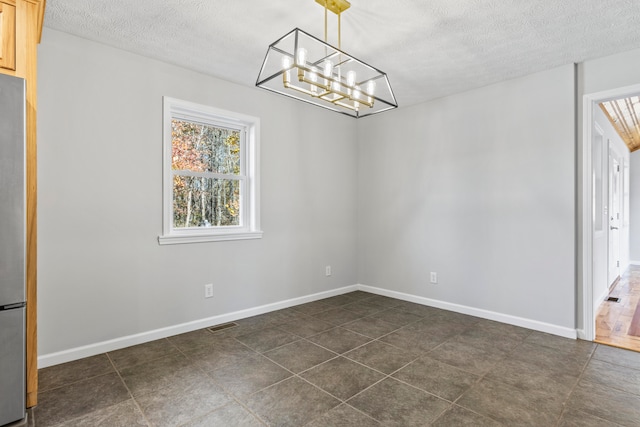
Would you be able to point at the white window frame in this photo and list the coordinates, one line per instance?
(249, 127)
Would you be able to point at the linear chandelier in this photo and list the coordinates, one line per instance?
(306, 68)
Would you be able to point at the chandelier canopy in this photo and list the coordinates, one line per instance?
(306, 68)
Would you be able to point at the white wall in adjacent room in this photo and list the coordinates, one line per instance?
(478, 187)
(101, 273)
(611, 142)
(634, 207)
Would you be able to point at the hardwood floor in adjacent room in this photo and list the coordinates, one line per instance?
(618, 323)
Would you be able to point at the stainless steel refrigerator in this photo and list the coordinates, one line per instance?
(12, 249)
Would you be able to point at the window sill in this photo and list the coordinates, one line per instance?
(177, 239)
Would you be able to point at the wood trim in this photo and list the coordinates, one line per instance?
(33, 30)
(7, 36)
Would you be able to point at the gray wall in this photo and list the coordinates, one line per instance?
(102, 274)
(478, 187)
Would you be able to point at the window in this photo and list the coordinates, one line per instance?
(210, 172)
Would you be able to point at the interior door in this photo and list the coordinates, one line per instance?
(600, 179)
(615, 189)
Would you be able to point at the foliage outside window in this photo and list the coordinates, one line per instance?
(210, 174)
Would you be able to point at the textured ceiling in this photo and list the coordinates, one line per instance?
(428, 48)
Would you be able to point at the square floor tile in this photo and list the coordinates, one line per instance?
(482, 337)
(307, 327)
(619, 356)
(575, 418)
(566, 345)
(512, 406)
(267, 339)
(439, 326)
(621, 407)
(339, 340)
(396, 317)
(416, 309)
(396, 404)
(437, 378)
(415, 341)
(503, 329)
(300, 355)
(158, 374)
(471, 358)
(373, 328)
(180, 403)
(339, 300)
(249, 374)
(80, 398)
(364, 308)
(195, 341)
(337, 316)
(460, 417)
(551, 359)
(71, 372)
(613, 376)
(225, 352)
(293, 402)
(344, 416)
(121, 414)
(230, 415)
(531, 377)
(312, 308)
(342, 378)
(451, 317)
(383, 301)
(382, 357)
(142, 353)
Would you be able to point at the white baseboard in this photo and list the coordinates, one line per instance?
(143, 337)
(634, 262)
(485, 314)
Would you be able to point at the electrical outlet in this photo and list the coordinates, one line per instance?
(434, 277)
(327, 270)
(208, 290)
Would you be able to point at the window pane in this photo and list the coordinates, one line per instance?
(205, 202)
(204, 148)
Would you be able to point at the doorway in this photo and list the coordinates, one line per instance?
(606, 226)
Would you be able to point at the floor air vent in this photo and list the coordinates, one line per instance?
(613, 299)
(222, 327)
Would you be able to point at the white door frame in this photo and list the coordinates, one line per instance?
(589, 103)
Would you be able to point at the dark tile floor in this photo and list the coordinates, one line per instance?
(352, 360)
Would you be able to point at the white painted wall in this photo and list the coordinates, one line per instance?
(102, 274)
(634, 207)
(601, 240)
(478, 187)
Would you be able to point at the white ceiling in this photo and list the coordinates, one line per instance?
(428, 48)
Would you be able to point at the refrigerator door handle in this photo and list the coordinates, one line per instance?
(12, 306)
